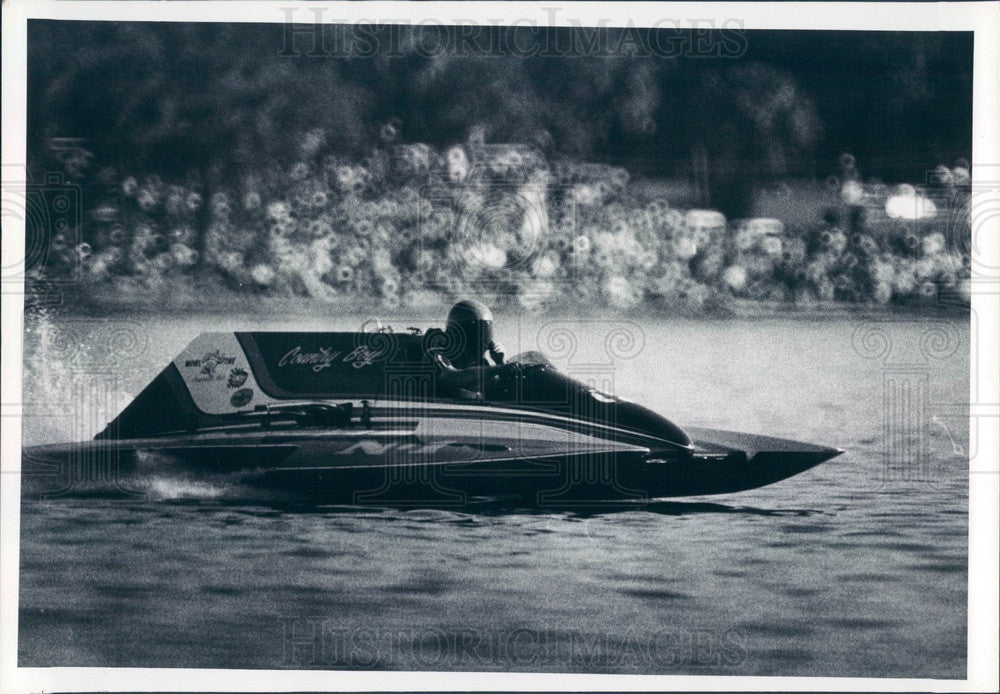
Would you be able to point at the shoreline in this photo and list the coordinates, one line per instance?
(186, 302)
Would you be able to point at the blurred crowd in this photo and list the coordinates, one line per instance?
(412, 225)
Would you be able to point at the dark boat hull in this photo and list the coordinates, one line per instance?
(442, 461)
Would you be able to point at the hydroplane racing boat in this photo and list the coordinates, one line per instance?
(368, 418)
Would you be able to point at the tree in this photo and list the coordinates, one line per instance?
(745, 124)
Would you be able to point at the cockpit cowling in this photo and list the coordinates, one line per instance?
(542, 386)
(221, 377)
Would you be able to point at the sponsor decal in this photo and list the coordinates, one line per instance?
(241, 398)
(318, 360)
(208, 364)
(324, 357)
(362, 356)
(237, 377)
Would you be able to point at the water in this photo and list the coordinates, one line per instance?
(855, 568)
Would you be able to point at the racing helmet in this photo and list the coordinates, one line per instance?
(470, 323)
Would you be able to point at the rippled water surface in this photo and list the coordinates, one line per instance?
(855, 568)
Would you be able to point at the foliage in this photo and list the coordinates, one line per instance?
(409, 222)
(209, 102)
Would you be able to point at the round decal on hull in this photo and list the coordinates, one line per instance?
(241, 398)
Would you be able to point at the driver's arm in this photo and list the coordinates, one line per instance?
(434, 343)
(441, 362)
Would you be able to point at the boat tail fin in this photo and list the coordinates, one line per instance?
(209, 376)
(163, 406)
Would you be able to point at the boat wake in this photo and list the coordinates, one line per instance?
(154, 477)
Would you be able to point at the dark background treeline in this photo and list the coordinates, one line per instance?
(732, 109)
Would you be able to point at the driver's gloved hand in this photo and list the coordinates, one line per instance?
(496, 352)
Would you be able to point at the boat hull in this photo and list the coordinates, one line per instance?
(446, 459)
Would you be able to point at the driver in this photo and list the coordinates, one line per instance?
(466, 346)
(469, 332)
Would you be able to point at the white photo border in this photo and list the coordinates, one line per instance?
(982, 18)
